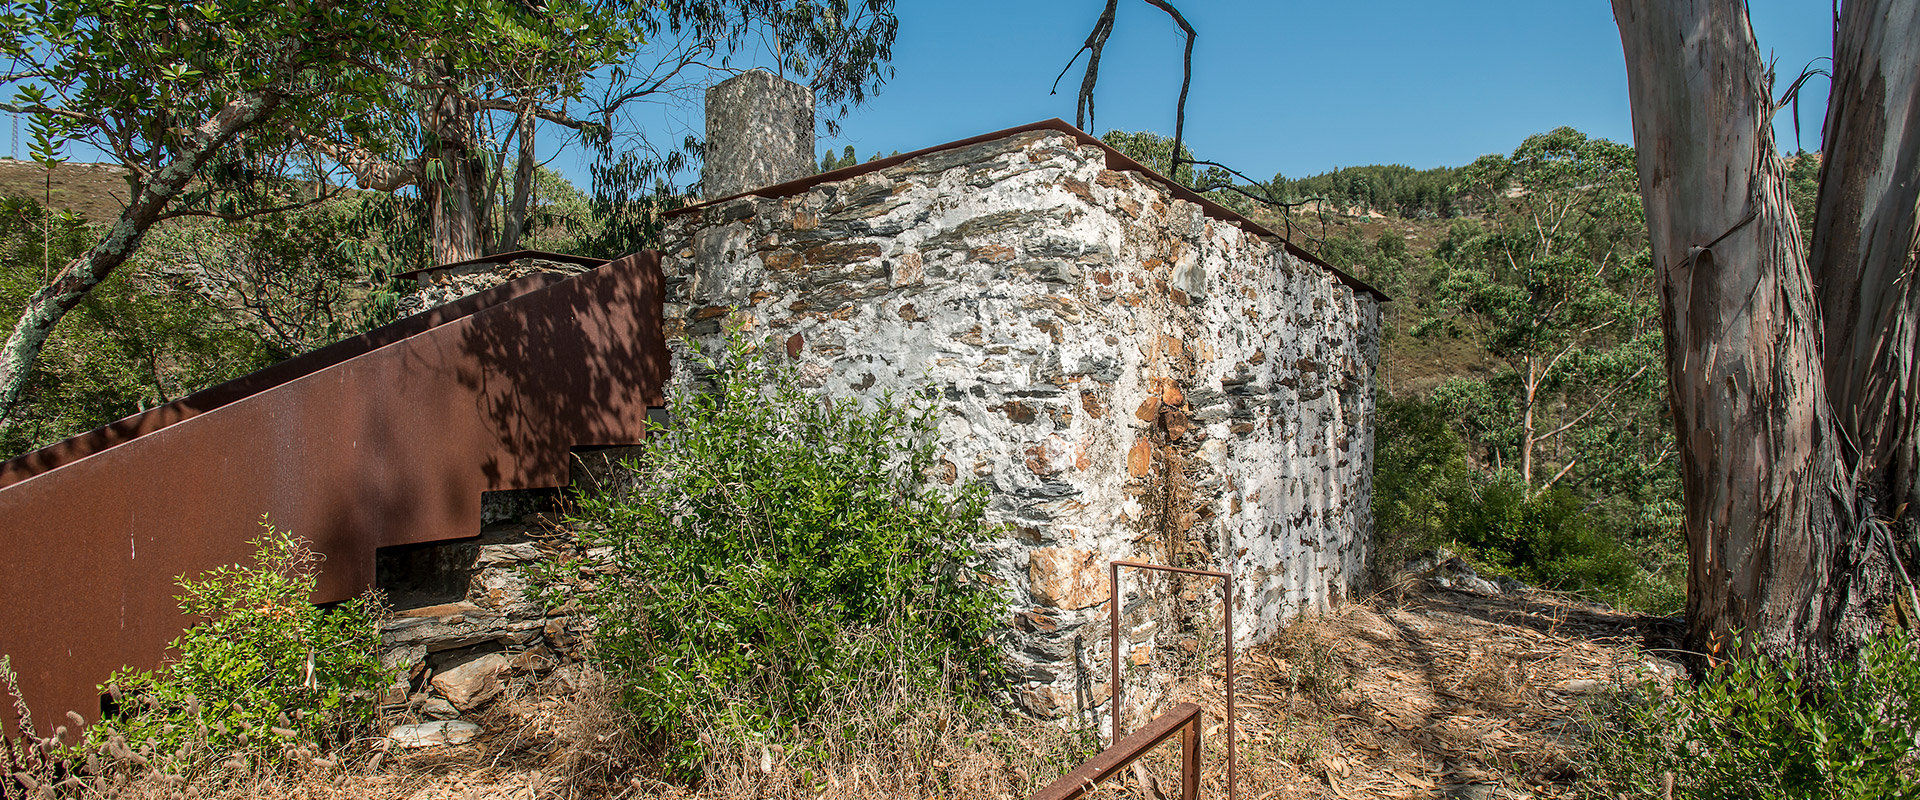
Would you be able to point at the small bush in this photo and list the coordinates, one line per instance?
(1420, 473)
(1543, 537)
(777, 552)
(1754, 728)
(263, 666)
(1425, 496)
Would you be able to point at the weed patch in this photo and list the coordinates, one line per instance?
(1754, 728)
(775, 550)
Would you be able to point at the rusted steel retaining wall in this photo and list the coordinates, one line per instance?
(385, 439)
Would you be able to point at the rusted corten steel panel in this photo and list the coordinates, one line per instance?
(385, 439)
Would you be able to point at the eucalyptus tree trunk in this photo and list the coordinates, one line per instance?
(454, 180)
(1777, 537)
(515, 224)
(1863, 256)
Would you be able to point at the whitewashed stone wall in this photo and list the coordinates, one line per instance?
(1132, 378)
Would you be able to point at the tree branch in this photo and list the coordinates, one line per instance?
(236, 216)
(1595, 407)
(1186, 78)
(1558, 475)
(369, 171)
(1095, 44)
(88, 119)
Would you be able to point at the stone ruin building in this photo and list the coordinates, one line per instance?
(1133, 371)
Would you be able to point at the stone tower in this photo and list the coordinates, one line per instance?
(759, 133)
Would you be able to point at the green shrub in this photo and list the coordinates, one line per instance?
(262, 658)
(1753, 728)
(777, 552)
(1425, 496)
(1544, 537)
(1420, 471)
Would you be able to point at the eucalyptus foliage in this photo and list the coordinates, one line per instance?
(1554, 285)
(211, 106)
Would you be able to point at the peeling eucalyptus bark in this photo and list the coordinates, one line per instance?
(1863, 256)
(516, 221)
(48, 306)
(449, 186)
(1774, 534)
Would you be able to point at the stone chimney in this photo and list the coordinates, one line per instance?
(759, 133)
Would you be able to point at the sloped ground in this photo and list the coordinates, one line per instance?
(95, 191)
(1433, 694)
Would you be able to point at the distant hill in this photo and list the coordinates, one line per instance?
(95, 191)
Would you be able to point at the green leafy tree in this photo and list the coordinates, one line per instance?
(294, 281)
(142, 337)
(1388, 188)
(840, 49)
(1554, 285)
(828, 161)
(207, 105)
(1155, 152)
(1803, 187)
(472, 109)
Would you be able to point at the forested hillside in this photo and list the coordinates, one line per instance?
(1522, 417)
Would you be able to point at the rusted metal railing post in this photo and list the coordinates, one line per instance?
(1190, 762)
(1113, 625)
(1184, 719)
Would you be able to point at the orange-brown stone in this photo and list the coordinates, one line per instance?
(1066, 577)
(1140, 458)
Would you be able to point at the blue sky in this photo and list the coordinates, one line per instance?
(1292, 87)
(1289, 87)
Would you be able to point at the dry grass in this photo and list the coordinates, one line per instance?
(561, 738)
(1435, 695)
(95, 191)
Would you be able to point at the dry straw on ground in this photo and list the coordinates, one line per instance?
(1433, 695)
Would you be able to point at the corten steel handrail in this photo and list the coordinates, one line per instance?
(1113, 621)
(388, 438)
(1183, 719)
(126, 429)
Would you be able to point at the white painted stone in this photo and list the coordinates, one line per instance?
(1130, 378)
(438, 733)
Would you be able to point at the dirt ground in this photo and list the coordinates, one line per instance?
(1431, 694)
(95, 191)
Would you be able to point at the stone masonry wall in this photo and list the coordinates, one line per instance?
(1132, 378)
(438, 287)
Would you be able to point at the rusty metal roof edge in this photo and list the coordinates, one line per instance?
(1114, 158)
(502, 258)
(134, 426)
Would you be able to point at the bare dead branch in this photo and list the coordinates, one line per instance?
(237, 216)
(1095, 44)
(1186, 78)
